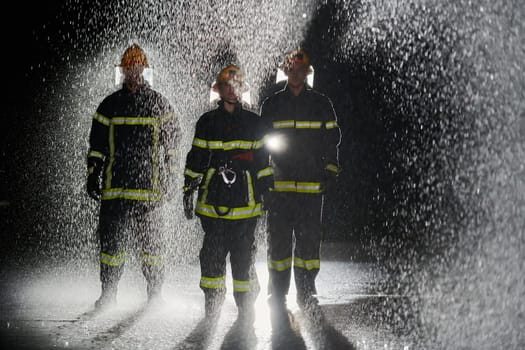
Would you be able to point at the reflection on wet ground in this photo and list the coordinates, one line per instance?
(52, 307)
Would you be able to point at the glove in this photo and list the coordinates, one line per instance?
(94, 180)
(330, 184)
(187, 202)
(267, 200)
(94, 186)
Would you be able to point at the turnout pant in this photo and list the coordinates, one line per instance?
(130, 225)
(294, 217)
(236, 237)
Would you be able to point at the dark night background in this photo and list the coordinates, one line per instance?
(394, 182)
(429, 97)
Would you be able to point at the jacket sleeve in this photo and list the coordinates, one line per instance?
(331, 140)
(98, 141)
(198, 158)
(262, 159)
(169, 136)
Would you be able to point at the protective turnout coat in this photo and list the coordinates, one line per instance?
(309, 136)
(133, 134)
(229, 163)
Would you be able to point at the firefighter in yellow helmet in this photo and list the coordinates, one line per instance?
(303, 144)
(229, 167)
(131, 129)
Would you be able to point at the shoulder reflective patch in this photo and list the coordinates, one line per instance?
(101, 119)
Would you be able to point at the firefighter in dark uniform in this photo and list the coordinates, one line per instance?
(133, 138)
(303, 147)
(229, 166)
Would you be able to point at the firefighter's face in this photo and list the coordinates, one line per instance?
(132, 73)
(230, 91)
(297, 73)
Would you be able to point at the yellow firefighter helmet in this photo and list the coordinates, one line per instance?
(230, 75)
(134, 56)
(295, 57)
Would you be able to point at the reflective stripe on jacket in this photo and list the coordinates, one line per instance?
(230, 163)
(307, 128)
(134, 134)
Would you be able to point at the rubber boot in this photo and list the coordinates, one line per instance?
(154, 291)
(213, 301)
(245, 308)
(280, 317)
(108, 297)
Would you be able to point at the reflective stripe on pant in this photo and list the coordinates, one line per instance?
(236, 237)
(126, 225)
(294, 216)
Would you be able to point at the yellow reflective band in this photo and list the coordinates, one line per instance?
(258, 144)
(112, 260)
(280, 265)
(199, 143)
(265, 172)
(307, 264)
(212, 283)
(192, 174)
(134, 121)
(214, 144)
(241, 286)
(238, 144)
(140, 195)
(234, 213)
(96, 154)
(333, 168)
(227, 146)
(295, 186)
(284, 124)
(299, 124)
(166, 118)
(251, 196)
(151, 260)
(109, 168)
(332, 124)
(101, 119)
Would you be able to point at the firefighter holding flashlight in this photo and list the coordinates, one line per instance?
(303, 145)
(228, 167)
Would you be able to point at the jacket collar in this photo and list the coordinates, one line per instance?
(236, 111)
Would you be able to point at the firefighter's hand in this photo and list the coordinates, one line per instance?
(187, 202)
(94, 185)
(330, 184)
(267, 200)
